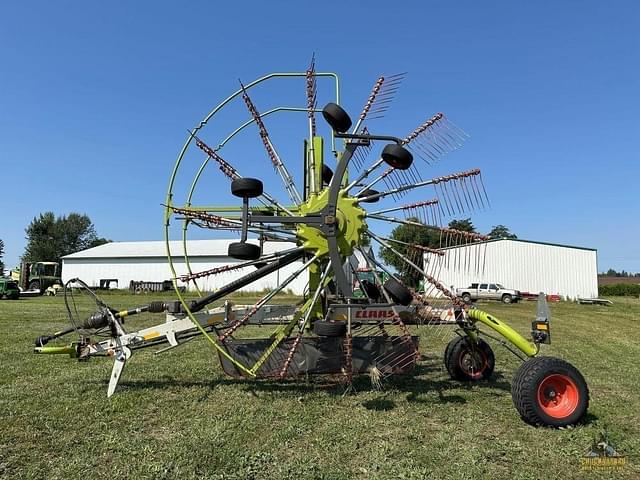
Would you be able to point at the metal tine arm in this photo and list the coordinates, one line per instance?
(238, 323)
(215, 221)
(444, 290)
(384, 174)
(304, 321)
(237, 266)
(468, 235)
(433, 201)
(415, 246)
(232, 173)
(364, 174)
(435, 138)
(384, 90)
(311, 106)
(434, 181)
(287, 179)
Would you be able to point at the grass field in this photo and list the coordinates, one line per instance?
(176, 416)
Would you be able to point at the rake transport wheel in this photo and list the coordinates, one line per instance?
(549, 391)
(467, 360)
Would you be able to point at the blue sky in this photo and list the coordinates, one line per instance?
(96, 99)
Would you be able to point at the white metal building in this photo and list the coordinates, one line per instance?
(523, 265)
(147, 261)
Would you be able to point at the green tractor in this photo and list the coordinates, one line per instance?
(9, 289)
(368, 282)
(37, 275)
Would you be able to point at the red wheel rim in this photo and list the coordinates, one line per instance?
(473, 363)
(558, 395)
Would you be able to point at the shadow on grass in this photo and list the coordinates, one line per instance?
(414, 384)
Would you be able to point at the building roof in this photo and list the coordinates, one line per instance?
(526, 241)
(158, 249)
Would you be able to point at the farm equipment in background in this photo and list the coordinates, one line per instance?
(37, 277)
(367, 283)
(9, 289)
(331, 331)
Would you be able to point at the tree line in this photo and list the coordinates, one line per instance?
(50, 237)
(623, 274)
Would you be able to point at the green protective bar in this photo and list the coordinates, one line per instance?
(59, 350)
(530, 349)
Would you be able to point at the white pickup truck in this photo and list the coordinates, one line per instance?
(488, 291)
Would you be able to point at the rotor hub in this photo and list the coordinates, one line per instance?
(349, 223)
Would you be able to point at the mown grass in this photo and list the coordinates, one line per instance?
(176, 416)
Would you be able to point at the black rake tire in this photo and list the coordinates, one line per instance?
(467, 360)
(327, 174)
(330, 329)
(398, 292)
(336, 117)
(246, 187)
(244, 251)
(367, 193)
(538, 395)
(397, 157)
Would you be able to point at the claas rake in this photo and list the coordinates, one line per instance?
(342, 206)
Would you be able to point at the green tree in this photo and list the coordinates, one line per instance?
(500, 231)
(464, 225)
(414, 234)
(1, 255)
(49, 237)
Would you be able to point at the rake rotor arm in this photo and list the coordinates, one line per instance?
(281, 262)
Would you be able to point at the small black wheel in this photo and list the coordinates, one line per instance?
(466, 298)
(246, 187)
(330, 329)
(371, 290)
(397, 156)
(367, 193)
(506, 298)
(468, 360)
(398, 292)
(327, 174)
(548, 391)
(34, 285)
(336, 117)
(244, 251)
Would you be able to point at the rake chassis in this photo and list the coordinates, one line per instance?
(327, 220)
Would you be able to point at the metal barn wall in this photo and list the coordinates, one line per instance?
(156, 269)
(525, 266)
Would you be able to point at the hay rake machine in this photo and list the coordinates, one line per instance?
(339, 210)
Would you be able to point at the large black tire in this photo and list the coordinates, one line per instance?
(397, 157)
(330, 329)
(467, 360)
(548, 391)
(244, 251)
(246, 187)
(506, 298)
(35, 285)
(466, 298)
(336, 117)
(367, 193)
(398, 292)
